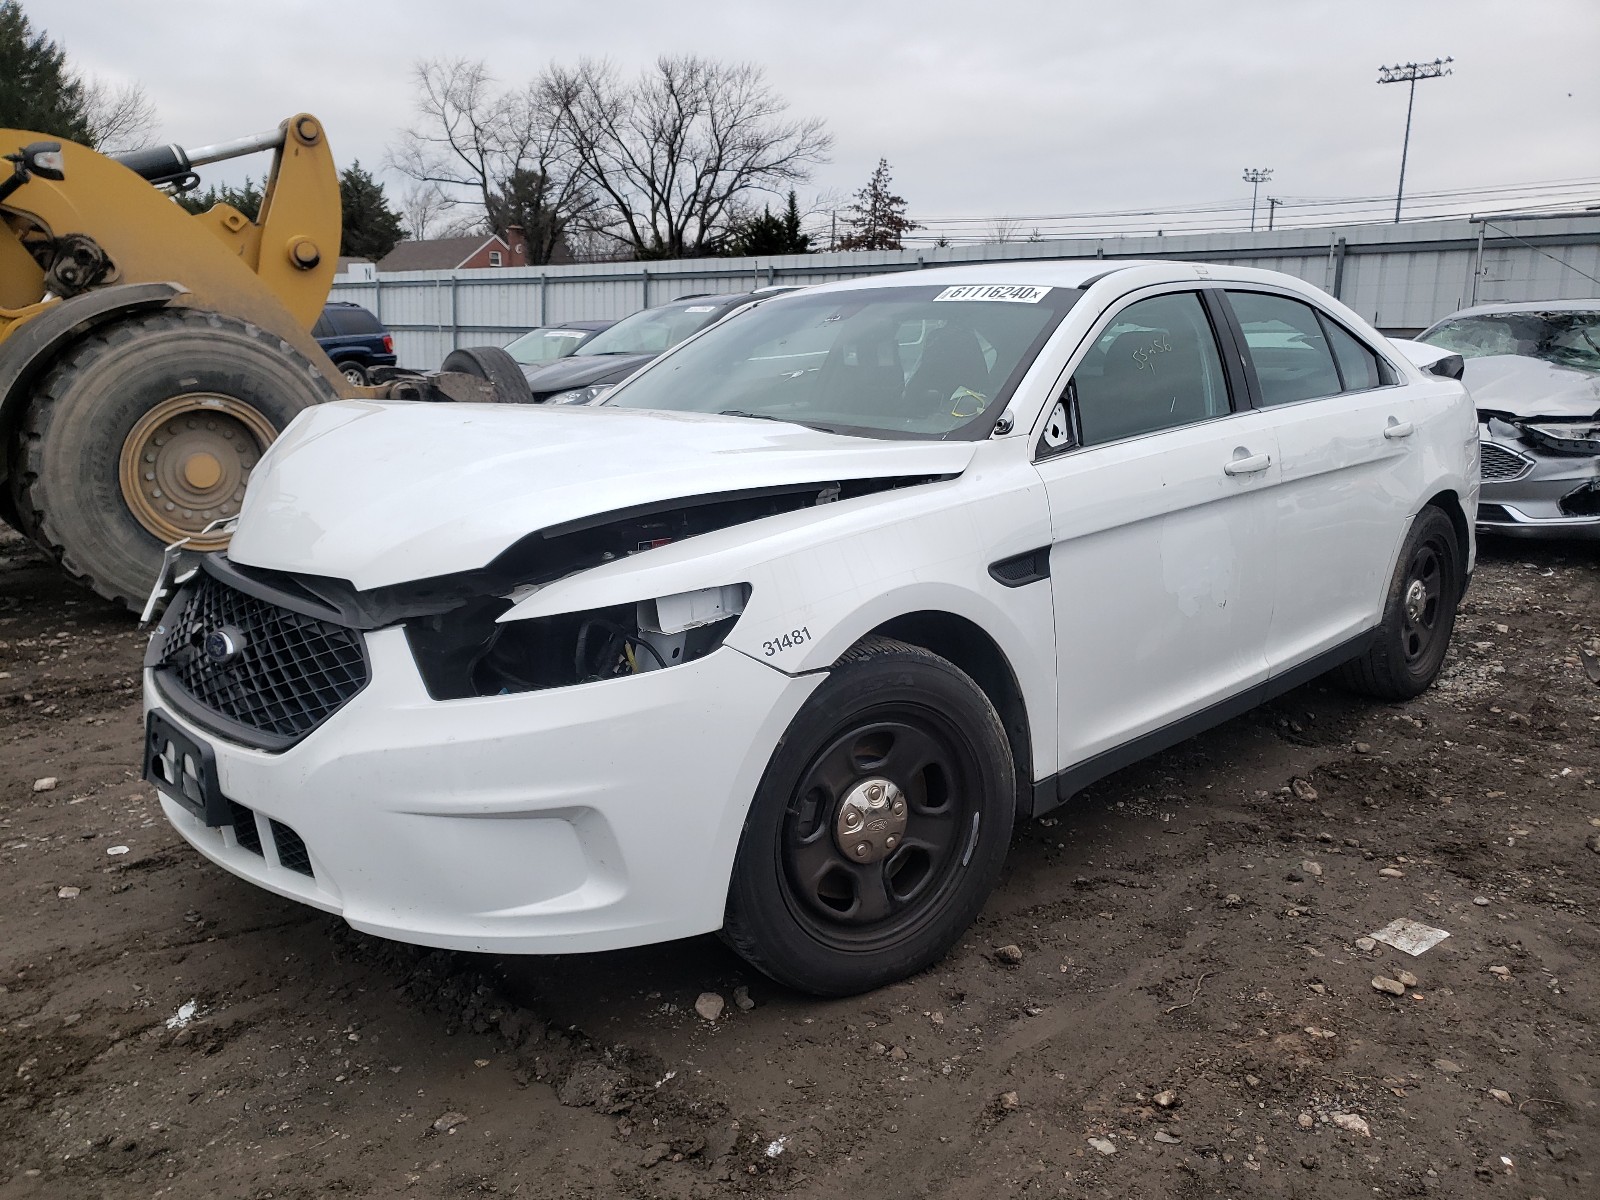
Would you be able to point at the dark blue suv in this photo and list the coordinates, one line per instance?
(354, 339)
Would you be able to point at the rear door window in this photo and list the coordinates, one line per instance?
(355, 321)
(1288, 348)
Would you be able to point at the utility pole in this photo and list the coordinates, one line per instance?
(1272, 211)
(1255, 177)
(1410, 73)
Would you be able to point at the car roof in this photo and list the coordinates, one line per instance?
(1518, 306)
(1120, 275)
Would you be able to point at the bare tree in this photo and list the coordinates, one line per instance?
(1003, 230)
(422, 208)
(673, 153)
(499, 153)
(121, 115)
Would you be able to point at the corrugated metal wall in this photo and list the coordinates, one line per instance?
(1400, 277)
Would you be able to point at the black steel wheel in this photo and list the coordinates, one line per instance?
(1419, 614)
(880, 826)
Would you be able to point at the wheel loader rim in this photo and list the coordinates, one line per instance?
(185, 463)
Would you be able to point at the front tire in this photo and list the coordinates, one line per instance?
(879, 828)
(1419, 614)
(146, 432)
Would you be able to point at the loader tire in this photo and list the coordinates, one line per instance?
(145, 432)
(495, 365)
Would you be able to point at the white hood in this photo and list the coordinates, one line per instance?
(385, 493)
(1531, 387)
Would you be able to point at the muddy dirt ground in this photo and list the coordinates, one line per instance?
(1192, 1013)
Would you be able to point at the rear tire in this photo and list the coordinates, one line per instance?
(1419, 615)
(879, 828)
(146, 431)
(495, 365)
(354, 372)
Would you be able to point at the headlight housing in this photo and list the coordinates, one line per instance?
(583, 395)
(471, 652)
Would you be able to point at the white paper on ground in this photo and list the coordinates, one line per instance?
(1411, 937)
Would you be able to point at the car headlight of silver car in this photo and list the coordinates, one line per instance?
(471, 652)
(1575, 437)
(583, 395)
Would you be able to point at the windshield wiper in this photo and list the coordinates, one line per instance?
(739, 412)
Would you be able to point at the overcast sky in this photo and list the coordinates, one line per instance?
(999, 107)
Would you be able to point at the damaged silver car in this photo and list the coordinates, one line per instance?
(1534, 373)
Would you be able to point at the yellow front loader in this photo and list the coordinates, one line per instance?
(147, 356)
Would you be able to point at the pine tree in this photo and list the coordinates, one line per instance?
(371, 227)
(879, 220)
(768, 234)
(526, 202)
(37, 91)
(247, 199)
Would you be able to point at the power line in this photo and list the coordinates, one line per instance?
(1294, 211)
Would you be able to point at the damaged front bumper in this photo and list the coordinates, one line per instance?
(1532, 488)
(582, 818)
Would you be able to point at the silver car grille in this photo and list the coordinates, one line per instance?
(1500, 465)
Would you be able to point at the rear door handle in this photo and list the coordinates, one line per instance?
(1248, 465)
(1396, 430)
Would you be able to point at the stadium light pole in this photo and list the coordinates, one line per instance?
(1410, 73)
(1255, 177)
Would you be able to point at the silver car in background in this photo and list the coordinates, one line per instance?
(1534, 373)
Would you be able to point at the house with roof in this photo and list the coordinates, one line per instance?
(457, 253)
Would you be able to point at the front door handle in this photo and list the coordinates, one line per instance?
(1248, 465)
(1396, 430)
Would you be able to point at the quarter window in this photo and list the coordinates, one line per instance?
(1358, 366)
(1154, 367)
(1291, 356)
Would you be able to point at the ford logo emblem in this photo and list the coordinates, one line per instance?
(223, 645)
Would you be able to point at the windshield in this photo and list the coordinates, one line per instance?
(900, 361)
(546, 345)
(1571, 339)
(655, 329)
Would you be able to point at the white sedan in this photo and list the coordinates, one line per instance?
(782, 639)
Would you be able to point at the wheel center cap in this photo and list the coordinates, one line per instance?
(871, 821)
(1416, 599)
(202, 471)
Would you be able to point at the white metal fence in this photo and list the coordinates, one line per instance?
(1400, 277)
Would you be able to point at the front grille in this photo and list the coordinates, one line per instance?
(1497, 464)
(278, 674)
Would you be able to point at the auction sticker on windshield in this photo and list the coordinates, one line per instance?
(1013, 293)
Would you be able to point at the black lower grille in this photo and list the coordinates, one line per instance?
(252, 670)
(292, 853)
(244, 828)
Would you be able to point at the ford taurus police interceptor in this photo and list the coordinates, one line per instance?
(784, 637)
